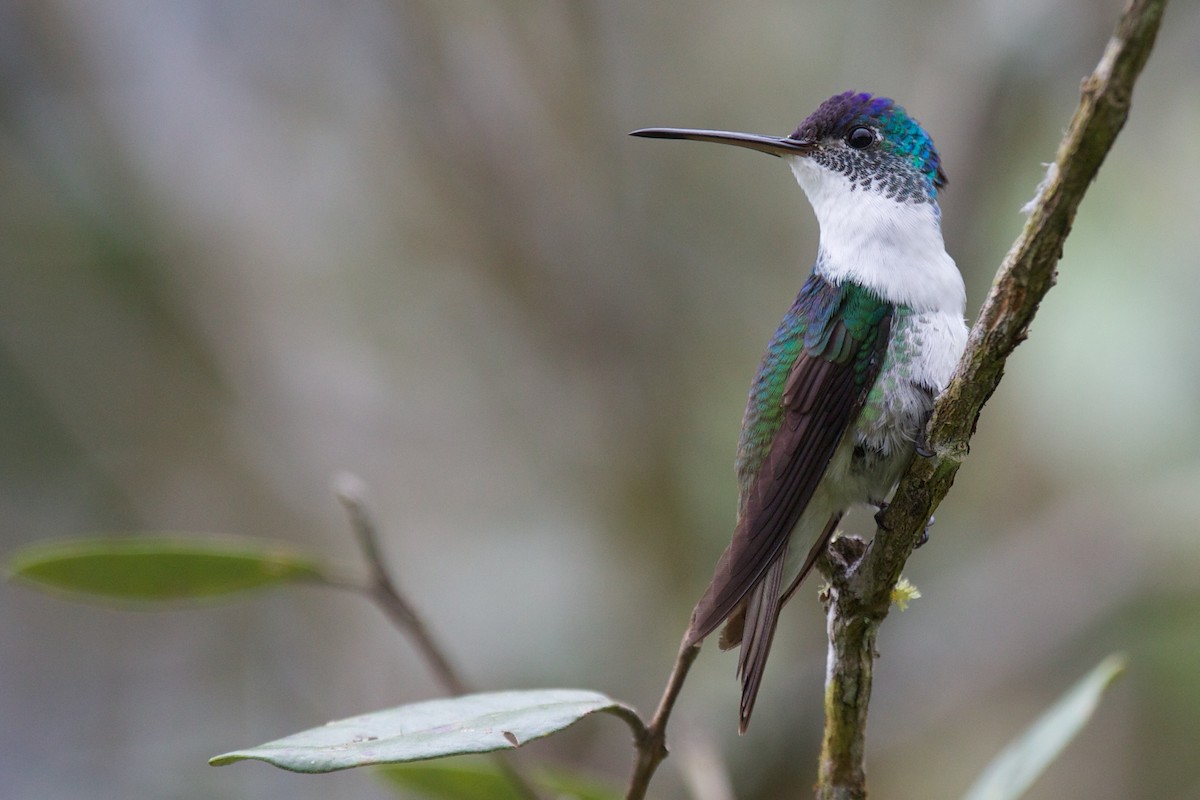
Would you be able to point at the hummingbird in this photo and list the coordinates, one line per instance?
(842, 396)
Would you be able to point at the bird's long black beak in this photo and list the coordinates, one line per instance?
(772, 145)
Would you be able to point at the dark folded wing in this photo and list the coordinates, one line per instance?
(824, 393)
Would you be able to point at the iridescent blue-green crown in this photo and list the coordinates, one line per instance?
(901, 136)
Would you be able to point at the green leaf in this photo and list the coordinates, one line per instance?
(468, 778)
(454, 779)
(1024, 760)
(159, 567)
(575, 787)
(473, 723)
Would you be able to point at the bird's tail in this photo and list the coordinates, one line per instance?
(762, 615)
(753, 625)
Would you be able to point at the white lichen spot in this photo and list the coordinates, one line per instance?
(1051, 174)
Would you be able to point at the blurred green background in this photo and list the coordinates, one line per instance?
(244, 245)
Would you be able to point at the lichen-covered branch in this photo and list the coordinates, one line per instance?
(862, 577)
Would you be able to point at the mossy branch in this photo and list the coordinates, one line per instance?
(863, 576)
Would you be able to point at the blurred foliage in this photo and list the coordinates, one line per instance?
(471, 779)
(156, 568)
(246, 245)
(1023, 761)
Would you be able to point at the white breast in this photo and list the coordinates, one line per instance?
(895, 248)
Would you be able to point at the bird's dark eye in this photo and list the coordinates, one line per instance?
(860, 138)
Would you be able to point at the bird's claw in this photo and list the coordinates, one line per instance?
(922, 444)
(924, 534)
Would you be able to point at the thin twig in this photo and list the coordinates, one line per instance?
(651, 744)
(382, 590)
(862, 581)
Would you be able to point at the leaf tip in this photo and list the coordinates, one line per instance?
(1111, 668)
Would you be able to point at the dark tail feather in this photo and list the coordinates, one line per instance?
(731, 634)
(751, 622)
(762, 615)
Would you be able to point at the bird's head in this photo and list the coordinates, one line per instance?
(856, 140)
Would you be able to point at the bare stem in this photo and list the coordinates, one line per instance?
(862, 578)
(651, 743)
(382, 590)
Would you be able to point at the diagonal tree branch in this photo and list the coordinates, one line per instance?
(863, 576)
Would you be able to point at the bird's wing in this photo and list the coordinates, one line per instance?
(824, 392)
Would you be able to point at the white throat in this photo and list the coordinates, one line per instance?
(894, 248)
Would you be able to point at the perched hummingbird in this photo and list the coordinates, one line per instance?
(843, 393)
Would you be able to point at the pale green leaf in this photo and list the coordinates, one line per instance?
(1012, 772)
(475, 723)
(159, 567)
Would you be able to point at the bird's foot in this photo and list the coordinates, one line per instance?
(882, 505)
